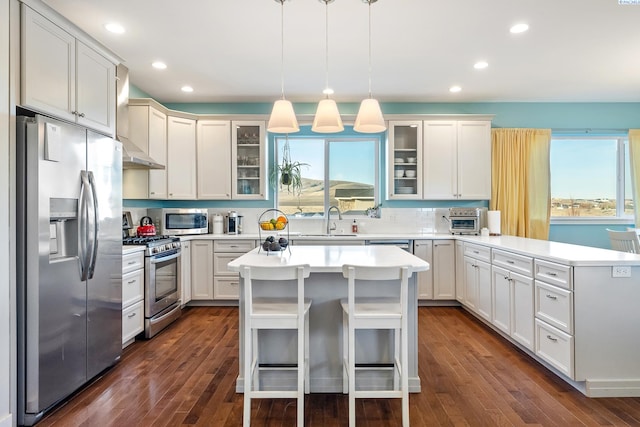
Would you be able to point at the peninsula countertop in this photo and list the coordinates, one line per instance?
(330, 259)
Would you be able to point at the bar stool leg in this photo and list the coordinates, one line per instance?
(248, 363)
(307, 389)
(345, 353)
(352, 376)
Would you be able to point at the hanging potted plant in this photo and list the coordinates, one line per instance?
(289, 173)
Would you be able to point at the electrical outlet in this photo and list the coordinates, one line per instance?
(621, 271)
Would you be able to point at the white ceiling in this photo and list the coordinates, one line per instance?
(229, 51)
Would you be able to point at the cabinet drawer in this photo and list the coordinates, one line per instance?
(478, 252)
(132, 287)
(134, 261)
(514, 262)
(556, 274)
(555, 347)
(132, 321)
(220, 262)
(233, 245)
(226, 288)
(555, 306)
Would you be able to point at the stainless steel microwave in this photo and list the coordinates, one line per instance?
(176, 222)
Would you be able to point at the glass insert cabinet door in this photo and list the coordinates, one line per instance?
(404, 160)
(249, 160)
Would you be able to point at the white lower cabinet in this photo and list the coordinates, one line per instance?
(460, 271)
(202, 269)
(185, 272)
(477, 279)
(423, 249)
(555, 347)
(226, 283)
(132, 296)
(512, 296)
(513, 305)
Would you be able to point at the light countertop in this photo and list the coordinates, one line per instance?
(330, 259)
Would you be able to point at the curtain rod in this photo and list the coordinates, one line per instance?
(590, 130)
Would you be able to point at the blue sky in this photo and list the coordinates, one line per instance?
(584, 168)
(350, 160)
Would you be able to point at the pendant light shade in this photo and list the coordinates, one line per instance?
(283, 118)
(327, 119)
(369, 118)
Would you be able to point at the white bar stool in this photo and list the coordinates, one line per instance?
(278, 312)
(376, 313)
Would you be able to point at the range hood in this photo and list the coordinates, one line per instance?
(132, 156)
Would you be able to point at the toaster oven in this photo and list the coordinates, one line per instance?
(467, 220)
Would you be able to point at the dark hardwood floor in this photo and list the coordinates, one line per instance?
(470, 376)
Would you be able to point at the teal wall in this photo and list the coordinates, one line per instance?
(562, 118)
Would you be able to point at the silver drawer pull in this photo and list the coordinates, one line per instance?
(233, 246)
(550, 338)
(131, 315)
(553, 297)
(552, 274)
(131, 262)
(476, 252)
(510, 261)
(130, 282)
(233, 283)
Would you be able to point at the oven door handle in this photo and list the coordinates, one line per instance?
(154, 260)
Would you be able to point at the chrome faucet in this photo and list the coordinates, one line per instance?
(330, 226)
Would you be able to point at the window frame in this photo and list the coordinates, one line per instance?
(327, 140)
(622, 142)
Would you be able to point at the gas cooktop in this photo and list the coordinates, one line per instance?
(156, 245)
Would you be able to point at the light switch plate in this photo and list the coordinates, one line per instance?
(621, 271)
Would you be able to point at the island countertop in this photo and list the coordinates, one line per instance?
(330, 259)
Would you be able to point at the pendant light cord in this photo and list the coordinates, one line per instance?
(369, 3)
(282, 47)
(326, 44)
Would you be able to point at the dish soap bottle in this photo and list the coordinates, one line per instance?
(354, 227)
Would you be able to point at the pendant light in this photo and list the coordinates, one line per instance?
(283, 118)
(327, 119)
(369, 118)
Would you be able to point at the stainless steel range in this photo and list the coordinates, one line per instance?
(161, 281)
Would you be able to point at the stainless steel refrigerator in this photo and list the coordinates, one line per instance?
(69, 246)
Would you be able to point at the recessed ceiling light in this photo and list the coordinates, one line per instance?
(519, 28)
(480, 65)
(187, 89)
(328, 91)
(159, 65)
(114, 27)
(455, 89)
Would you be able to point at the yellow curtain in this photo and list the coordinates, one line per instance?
(520, 181)
(634, 162)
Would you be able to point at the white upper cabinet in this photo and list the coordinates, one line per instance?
(181, 158)
(439, 160)
(214, 159)
(64, 77)
(405, 157)
(457, 160)
(249, 162)
(157, 132)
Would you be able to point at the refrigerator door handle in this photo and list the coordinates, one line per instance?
(85, 253)
(93, 232)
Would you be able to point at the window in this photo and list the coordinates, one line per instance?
(590, 178)
(338, 171)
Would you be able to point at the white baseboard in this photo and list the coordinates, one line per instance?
(6, 420)
(613, 388)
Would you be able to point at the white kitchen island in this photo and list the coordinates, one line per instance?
(326, 286)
